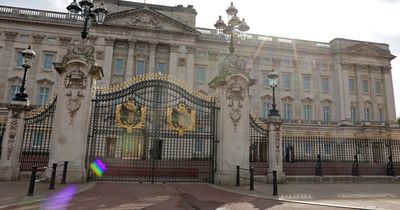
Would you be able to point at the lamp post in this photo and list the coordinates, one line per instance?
(235, 27)
(273, 82)
(27, 57)
(85, 10)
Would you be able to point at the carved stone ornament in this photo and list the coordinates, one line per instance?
(82, 51)
(277, 146)
(73, 104)
(75, 79)
(130, 116)
(231, 64)
(12, 134)
(235, 94)
(144, 20)
(181, 119)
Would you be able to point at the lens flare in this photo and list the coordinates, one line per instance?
(60, 200)
(98, 168)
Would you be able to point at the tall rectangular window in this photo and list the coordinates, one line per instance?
(43, 96)
(326, 114)
(19, 59)
(308, 148)
(353, 111)
(366, 114)
(201, 74)
(37, 139)
(14, 89)
(287, 81)
(307, 112)
(381, 115)
(161, 68)
(48, 61)
(378, 87)
(119, 66)
(327, 148)
(198, 145)
(140, 67)
(306, 83)
(365, 86)
(266, 80)
(287, 111)
(352, 85)
(325, 85)
(266, 108)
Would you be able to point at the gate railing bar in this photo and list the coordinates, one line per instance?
(33, 179)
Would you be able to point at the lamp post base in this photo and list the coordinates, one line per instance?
(274, 113)
(20, 97)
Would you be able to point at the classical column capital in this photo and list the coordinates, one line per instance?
(153, 45)
(173, 47)
(109, 41)
(190, 49)
(38, 38)
(65, 40)
(10, 35)
(132, 43)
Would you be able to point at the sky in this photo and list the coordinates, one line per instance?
(315, 20)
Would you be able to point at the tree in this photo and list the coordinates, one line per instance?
(398, 120)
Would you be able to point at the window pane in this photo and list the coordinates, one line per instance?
(381, 115)
(140, 67)
(201, 75)
(327, 114)
(325, 85)
(366, 113)
(378, 87)
(287, 111)
(352, 86)
(48, 61)
(286, 81)
(43, 96)
(19, 59)
(354, 113)
(198, 145)
(14, 90)
(161, 68)
(307, 112)
(365, 86)
(265, 111)
(306, 83)
(119, 65)
(266, 80)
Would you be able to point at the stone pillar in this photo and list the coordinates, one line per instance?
(78, 75)
(232, 93)
(130, 68)
(275, 159)
(152, 58)
(388, 90)
(190, 66)
(173, 59)
(108, 61)
(12, 141)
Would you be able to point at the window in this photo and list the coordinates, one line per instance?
(352, 85)
(43, 96)
(325, 85)
(37, 139)
(201, 74)
(365, 86)
(266, 80)
(353, 111)
(307, 112)
(287, 111)
(327, 148)
(326, 114)
(381, 115)
(366, 114)
(119, 66)
(308, 148)
(19, 59)
(140, 67)
(266, 108)
(306, 83)
(161, 68)
(378, 87)
(287, 81)
(14, 89)
(198, 146)
(48, 61)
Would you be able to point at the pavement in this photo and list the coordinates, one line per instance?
(125, 195)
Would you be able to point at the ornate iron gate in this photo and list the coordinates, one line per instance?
(258, 146)
(153, 129)
(36, 141)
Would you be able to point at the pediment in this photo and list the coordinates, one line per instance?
(368, 50)
(15, 79)
(147, 18)
(45, 81)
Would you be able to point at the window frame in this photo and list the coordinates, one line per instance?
(118, 71)
(139, 61)
(45, 61)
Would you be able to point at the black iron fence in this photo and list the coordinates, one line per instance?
(36, 139)
(2, 130)
(258, 151)
(332, 155)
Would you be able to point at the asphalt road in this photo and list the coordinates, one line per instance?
(124, 196)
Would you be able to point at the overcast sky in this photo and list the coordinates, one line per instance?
(316, 20)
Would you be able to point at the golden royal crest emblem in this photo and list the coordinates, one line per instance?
(130, 116)
(181, 119)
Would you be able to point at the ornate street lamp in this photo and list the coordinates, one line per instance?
(85, 10)
(273, 77)
(235, 27)
(27, 57)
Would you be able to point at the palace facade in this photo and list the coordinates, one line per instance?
(335, 83)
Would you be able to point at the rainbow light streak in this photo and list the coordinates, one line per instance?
(98, 168)
(60, 200)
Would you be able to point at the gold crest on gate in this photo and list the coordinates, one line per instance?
(181, 119)
(130, 116)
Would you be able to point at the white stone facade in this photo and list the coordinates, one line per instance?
(343, 81)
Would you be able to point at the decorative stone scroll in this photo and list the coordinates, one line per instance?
(235, 94)
(12, 134)
(73, 104)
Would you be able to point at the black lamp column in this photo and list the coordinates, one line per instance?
(27, 57)
(273, 83)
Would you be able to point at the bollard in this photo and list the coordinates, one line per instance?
(251, 178)
(237, 175)
(53, 176)
(274, 183)
(64, 175)
(32, 181)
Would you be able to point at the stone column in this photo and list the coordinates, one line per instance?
(108, 61)
(232, 93)
(152, 57)
(130, 68)
(388, 90)
(173, 59)
(78, 75)
(12, 141)
(190, 66)
(275, 159)
(7, 60)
